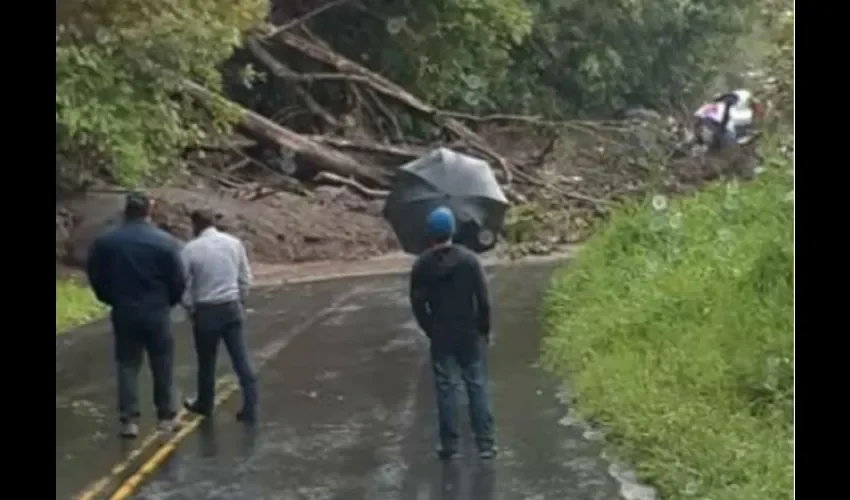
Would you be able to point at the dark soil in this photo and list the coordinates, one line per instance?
(332, 224)
(329, 224)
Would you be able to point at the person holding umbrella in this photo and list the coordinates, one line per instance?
(449, 298)
(462, 183)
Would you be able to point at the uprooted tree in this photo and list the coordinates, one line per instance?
(341, 91)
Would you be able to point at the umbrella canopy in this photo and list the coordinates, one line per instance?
(443, 177)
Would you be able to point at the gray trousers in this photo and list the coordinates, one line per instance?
(135, 335)
(212, 324)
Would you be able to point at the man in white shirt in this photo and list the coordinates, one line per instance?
(218, 277)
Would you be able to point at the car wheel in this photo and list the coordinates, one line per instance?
(485, 239)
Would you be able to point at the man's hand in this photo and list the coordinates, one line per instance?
(190, 310)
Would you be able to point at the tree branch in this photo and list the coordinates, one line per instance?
(306, 17)
(280, 70)
(324, 158)
(351, 71)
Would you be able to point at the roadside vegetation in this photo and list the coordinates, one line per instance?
(75, 305)
(674, 327)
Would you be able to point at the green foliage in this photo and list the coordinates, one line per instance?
(603, 56)
(479, 35)
(449, 52)
(675, 326)
(780, 62)
(523, 222)
(559, 57)
(119, 65)
(75, 305)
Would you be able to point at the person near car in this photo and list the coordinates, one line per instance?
(731, 116)
(136, 270)
(449, 298)
(218, 277)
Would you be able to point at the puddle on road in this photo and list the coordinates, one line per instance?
(409, 337)
(630, 487)
(341, 314)
(578, 453)
(538, 459)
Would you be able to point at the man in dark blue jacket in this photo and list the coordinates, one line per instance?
(448, 293)
(136, 270)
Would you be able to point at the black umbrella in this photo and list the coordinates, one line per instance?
(443, 177)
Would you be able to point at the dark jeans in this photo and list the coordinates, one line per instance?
(472, 366)
(136, 334)
(211, 324)
(722, 137)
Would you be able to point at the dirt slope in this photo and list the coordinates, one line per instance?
(330, 224)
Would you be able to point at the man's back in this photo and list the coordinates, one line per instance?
(449, 295)
(136, 267)
(217, 267)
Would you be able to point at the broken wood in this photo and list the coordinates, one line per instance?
(280, 70)
(351, 71)
(324, 158)
(405, 152)
(327, 177)
(396, 132)
(306, 17)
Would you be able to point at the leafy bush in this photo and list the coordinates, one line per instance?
(119, 66)
(75, 305)
(449, 52)
(675, 325)
(604, 56)
(563, 57)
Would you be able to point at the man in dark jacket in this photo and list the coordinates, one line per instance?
(448, 293)
(136, 270)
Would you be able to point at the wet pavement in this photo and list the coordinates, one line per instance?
(346, 407)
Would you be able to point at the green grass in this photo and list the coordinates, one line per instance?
(674, 328)
(75, 306)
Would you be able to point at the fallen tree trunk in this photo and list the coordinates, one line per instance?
(406, 152)
(324, 158)
(349, 70)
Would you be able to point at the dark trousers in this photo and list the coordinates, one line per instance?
(721, 139)
(136, 334)
(213, 323)
(471, 364)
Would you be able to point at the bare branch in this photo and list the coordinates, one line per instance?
(356, 186)
(323, 157)
(306, 17)
(355, 72)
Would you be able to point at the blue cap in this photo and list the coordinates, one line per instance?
(441, 222)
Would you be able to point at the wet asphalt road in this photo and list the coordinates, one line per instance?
(346, 407)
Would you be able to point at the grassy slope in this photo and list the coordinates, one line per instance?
(75, 305)
(675, 327)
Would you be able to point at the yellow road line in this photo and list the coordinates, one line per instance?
(96, 488)
(226, 385)
(132, 483)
